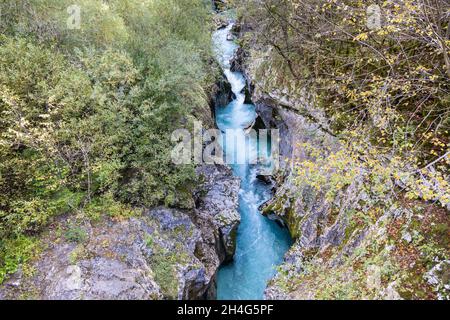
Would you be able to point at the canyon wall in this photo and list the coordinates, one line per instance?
(350, 242)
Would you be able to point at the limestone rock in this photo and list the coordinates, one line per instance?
(220, 201)
(223, 93)
(165, 253)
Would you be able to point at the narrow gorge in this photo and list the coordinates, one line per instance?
(328, 123)
(356, 235)
(260, 242)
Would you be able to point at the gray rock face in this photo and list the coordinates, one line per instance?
(220, 22)
(237, 62)
(220, 201)
(223, 93)
(439, 277)
(163, 254)
(113, 264)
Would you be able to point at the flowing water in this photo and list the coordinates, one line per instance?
(261, 242)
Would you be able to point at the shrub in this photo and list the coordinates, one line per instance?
(86, 115)
(76, 234)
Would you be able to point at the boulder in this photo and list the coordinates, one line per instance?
(237, 62)
(220, 201)
(223, 93)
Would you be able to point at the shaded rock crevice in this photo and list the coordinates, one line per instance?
(222, 93)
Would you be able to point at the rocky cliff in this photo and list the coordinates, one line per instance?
(352, 241)
(162, 254)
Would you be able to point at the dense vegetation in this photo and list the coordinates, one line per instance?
(87, 114)
(384, 88)
(381, 90)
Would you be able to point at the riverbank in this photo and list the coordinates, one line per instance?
(261, 242)
(356, 235)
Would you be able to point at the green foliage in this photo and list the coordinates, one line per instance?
(87, 115)
(16, 252)
(75, 234)
(382, 95)
(107, 205)
(165, 276)
(77, 254)
(164, 265)
(384, 90)
(46, 20)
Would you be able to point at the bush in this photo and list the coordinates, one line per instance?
(15, 252)
(86, 115)
(76, 234)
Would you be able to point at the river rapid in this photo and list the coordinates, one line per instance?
(261, 242)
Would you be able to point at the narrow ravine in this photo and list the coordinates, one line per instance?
(261, 242)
